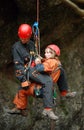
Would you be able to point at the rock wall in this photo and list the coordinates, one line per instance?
(60, 25)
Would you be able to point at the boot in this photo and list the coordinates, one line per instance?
(24, 112)
(50, 114)
(14, 111)
(71, 94)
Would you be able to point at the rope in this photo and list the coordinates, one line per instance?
(36, 31)
(38, 27)
(38, 11)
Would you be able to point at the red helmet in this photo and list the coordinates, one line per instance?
(24, 31)
(55, 48)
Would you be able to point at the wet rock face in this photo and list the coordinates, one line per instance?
(59, 25)
(70, 111)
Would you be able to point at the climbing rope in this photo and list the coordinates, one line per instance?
(38, 11)
(36, 31)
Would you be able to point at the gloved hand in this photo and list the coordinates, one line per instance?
(25, 85)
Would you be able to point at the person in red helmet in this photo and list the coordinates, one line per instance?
(23, 57)
(21, 52)
(52, 65)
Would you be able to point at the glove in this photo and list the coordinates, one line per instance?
(25, 84)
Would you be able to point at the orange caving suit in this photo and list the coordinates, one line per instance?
(52, 66)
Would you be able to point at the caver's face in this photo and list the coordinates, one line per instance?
(49, 53)
(24, 41)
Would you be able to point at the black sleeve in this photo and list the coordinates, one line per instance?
(18, 64)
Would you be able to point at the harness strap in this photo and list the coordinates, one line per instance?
(59, 67)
